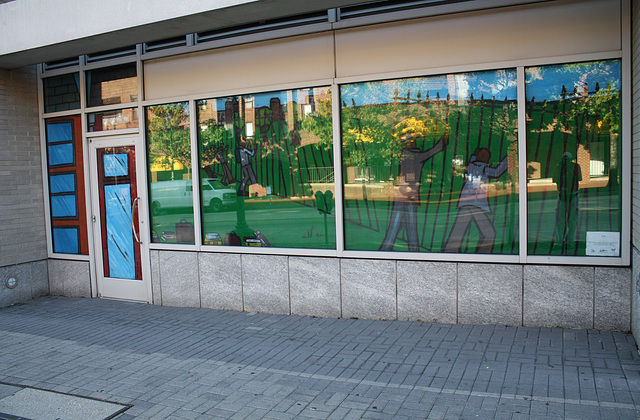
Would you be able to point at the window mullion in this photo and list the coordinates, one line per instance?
(522, 164)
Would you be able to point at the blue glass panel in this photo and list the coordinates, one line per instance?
(61, 154)
(63, 206)
(65, 240)
(62, 183)
(119, 235)
(59, 132)
(116, 165)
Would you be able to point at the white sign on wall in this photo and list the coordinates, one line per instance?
(603, 244)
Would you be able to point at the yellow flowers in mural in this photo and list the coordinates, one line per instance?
(413, 128)
(410, 126)
(366, 136)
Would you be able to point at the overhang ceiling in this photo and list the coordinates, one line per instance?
(31, 35)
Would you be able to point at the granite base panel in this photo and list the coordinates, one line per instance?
(69, 278)
(448, 292)
(29, 280)
(635, 294)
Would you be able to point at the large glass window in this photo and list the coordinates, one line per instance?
(266, 165)
(573, 159)
(112, 85)
(430, 163)
(170, 173)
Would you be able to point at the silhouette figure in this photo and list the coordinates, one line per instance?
(567, 177)
(227, 177)
(473, 204)
(243, 156)
(404, 213)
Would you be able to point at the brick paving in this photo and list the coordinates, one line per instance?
(188, 363)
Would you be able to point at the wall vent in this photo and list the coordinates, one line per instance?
(165, 44)
(59, 64)
(380, 7)
(107, 55)
(264, 26)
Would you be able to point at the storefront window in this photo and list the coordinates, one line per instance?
(170, 173)
(430, 164)
(61, 93)
(112, 85)
(573, 159)
(266, 165)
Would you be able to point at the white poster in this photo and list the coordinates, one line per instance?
(603, 244)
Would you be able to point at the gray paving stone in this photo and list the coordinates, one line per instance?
(190, 363)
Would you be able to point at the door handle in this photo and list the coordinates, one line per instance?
(133, 226)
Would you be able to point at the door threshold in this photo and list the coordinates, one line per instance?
(123, 300)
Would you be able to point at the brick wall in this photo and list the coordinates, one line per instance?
(635, 46)
(635, 194)
(22, 222)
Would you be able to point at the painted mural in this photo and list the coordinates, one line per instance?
(418, 158)
(573, 159)
(266, 165)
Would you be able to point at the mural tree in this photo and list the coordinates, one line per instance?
(168, 135)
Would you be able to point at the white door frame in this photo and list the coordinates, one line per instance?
(108, 287)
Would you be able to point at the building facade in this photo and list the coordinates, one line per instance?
(456, 162)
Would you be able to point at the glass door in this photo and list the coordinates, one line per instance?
(120, 253)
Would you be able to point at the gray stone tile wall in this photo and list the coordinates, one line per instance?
(635, 294)
(427, 291)
(446, 292)
(31, 281)
(179, 277)
(368, 289)
(558, 296)
(315, 286)
(221, 281)
(612, 289)
(490, 294)
(69, 278)
(265, 283)
(156, 290)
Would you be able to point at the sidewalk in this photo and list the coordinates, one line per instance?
(156, 362)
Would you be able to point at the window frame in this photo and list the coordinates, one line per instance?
(196, 183)
(624, 54)
(522, 257)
